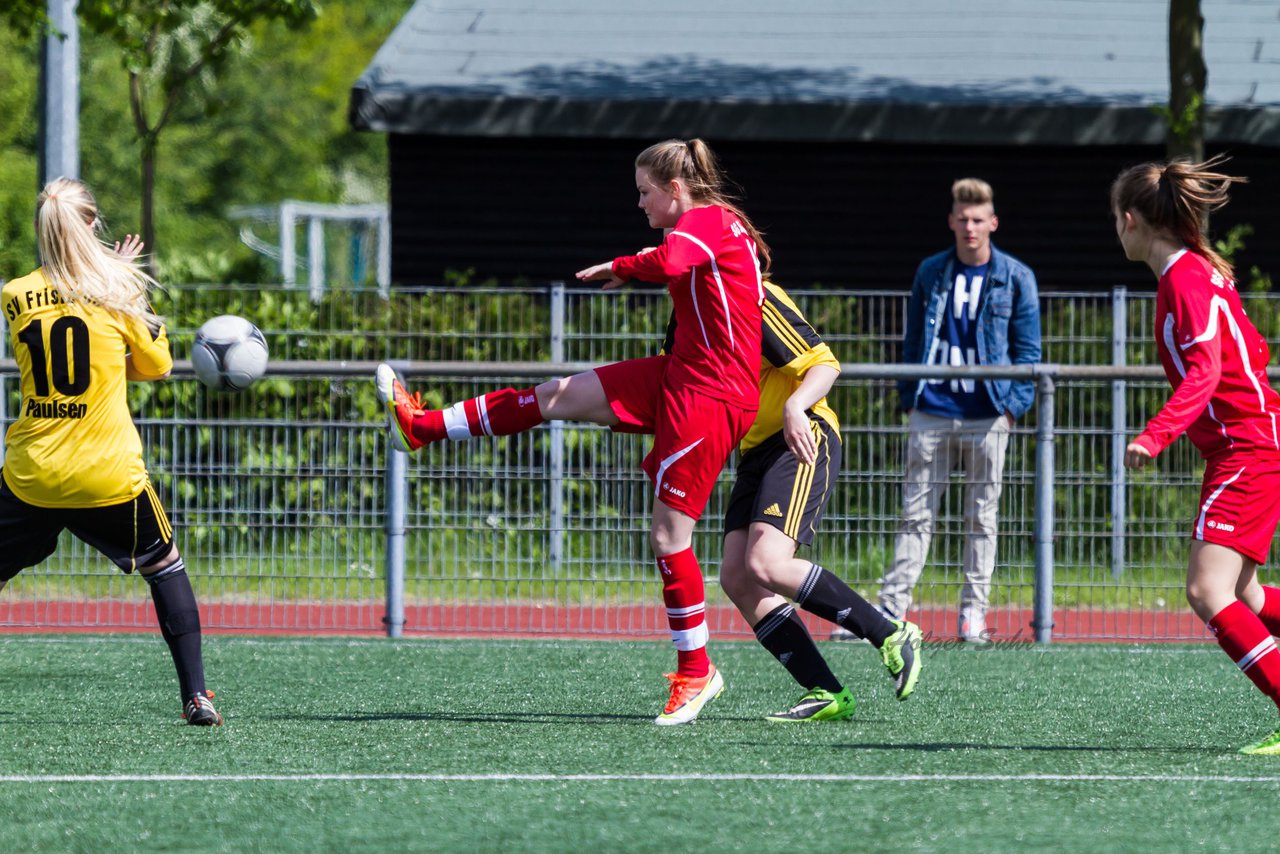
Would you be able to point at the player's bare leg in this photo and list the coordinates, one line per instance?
(1216, 576)
(499, 413)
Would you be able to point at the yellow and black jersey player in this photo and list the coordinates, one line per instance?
(81, 326)
(74, 443)
(788, 464)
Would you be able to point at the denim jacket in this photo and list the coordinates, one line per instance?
(1008, 324)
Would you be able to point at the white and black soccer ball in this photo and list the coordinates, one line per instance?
(229, 353)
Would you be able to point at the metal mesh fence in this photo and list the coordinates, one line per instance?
(279, 495)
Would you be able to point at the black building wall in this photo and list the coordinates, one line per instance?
(843, 215)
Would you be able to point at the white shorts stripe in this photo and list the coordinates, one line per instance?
(667, 463)
(1208, 502)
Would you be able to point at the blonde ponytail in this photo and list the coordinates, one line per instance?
(79, 265)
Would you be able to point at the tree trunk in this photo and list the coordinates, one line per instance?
(1187, 79)
(148, 203)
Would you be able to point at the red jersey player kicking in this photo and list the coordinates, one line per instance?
(1216, 362)
(698, 401)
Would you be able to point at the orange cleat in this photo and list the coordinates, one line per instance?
(402, 407)
(688, 695)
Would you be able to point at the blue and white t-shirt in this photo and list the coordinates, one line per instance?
(957, 344)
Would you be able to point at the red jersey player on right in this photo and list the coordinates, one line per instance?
(1216, 361)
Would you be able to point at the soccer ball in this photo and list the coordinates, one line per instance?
(229, 353)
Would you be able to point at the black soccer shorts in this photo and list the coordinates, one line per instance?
(133, 534)
(772, 486)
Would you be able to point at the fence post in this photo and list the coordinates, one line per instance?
(397, 523)
(288, 244)
(384, 253)
(556, 456)
(1042, 618)
(315, 256)
(1119, 416)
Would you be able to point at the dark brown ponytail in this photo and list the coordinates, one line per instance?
(1174, 197)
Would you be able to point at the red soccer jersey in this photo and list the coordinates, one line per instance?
(1216, 361)
(709, 265)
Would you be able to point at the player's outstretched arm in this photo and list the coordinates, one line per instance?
(600, 272)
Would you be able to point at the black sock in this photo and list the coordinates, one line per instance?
(782, 633)
(179, 620)
(831, 599)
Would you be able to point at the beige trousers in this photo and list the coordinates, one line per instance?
(935, 447)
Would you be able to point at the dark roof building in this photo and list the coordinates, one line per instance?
(513, 124)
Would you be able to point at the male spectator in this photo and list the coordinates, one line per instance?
(971, 305)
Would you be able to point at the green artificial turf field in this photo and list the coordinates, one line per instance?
(513, 745)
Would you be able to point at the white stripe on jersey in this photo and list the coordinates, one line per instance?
(755, 260)
(1171, 345)
(1208, 502)
(1218, 304)
(715, 272)
(693, 293)
(1173, 259)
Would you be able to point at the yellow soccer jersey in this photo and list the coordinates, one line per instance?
(789, 347)
(74, 443)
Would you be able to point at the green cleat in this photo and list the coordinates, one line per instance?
(1269, 746)
(901, 656)
(818, 705)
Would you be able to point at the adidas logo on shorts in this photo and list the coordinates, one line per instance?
(773, 510)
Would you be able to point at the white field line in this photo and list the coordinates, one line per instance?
(627, 778)
(1116, 648)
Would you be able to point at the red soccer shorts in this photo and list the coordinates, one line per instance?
(1240, 503)
(693, 434)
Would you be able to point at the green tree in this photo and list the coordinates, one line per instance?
(24, 17)
(273, 127)
(18, 56)
(173, 52)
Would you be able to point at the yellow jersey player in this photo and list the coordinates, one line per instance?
(80, 327)
(788, 464)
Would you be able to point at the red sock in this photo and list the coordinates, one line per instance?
(429, 426)
(683, 594)
(498, 413)
(1270, 613)
(1243, 637)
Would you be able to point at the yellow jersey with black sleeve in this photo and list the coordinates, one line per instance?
(74, 443)
(789, 348)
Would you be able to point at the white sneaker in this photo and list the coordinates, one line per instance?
(973, 627)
